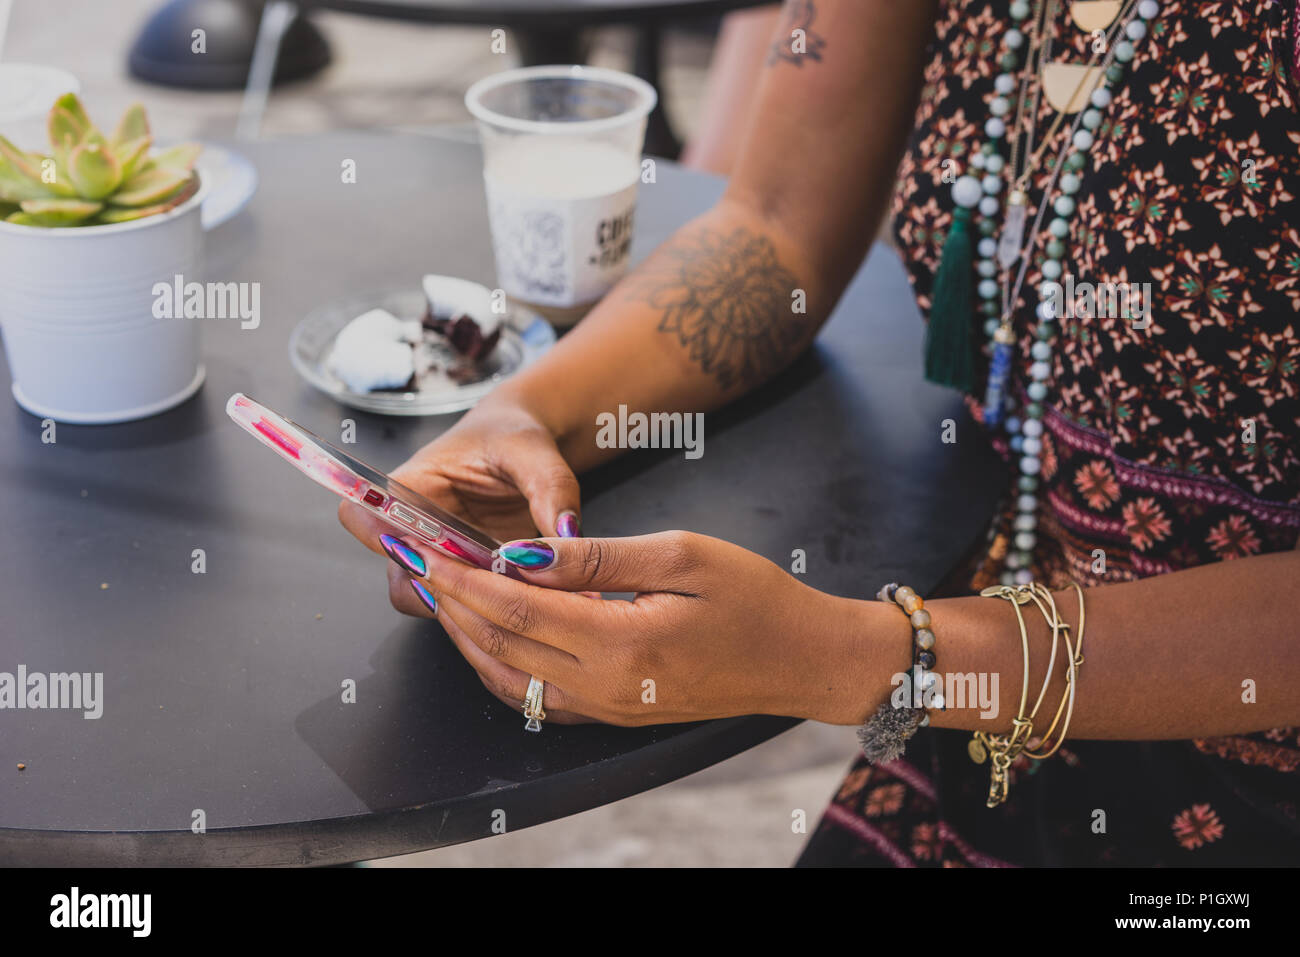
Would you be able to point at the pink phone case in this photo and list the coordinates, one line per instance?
(409, 512)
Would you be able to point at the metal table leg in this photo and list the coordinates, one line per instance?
(276, 17)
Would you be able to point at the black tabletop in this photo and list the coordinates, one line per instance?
(222, 690)
(536, 14)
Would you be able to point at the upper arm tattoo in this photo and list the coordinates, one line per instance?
(728, 300)
(798, 41)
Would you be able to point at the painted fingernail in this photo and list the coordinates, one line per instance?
(530, 555)
(424, 595)
(404, 555)
(567, 525)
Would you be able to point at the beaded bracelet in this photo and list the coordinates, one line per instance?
(885, 734)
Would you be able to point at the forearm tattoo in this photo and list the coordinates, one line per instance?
(798, 41)
(731, 304)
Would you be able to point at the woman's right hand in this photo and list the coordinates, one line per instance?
(500, 469)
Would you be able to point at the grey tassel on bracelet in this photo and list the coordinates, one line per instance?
(885, 734)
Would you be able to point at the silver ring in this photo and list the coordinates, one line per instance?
(533, 704)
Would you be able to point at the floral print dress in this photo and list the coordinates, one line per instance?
(1165, 448)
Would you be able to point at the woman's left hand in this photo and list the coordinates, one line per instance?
(714, 631)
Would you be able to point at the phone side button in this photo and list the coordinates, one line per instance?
(401, 514)
(429, 528)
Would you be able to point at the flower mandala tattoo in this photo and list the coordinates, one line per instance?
(728, 299)
(795, 47)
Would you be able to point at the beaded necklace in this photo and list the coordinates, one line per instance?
(998, 253)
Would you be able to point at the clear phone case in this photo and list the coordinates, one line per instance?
(407, 511)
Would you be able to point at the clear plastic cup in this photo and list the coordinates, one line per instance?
(561, 164)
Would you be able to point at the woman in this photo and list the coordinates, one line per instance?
(1146, 447)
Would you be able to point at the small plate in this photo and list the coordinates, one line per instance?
(230, 180)
(525, 336)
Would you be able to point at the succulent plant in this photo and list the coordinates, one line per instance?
(90, 179)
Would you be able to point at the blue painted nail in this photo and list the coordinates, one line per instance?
(530, 555)
(567, 525)
(404, 555)
(424, 595)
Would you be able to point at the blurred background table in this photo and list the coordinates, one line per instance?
(223, 689)
(290, 47)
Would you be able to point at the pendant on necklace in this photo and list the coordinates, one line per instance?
(995, 392)
(1067, 86)
(1090, 15)
(1012, 238)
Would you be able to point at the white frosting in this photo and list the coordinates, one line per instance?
(378, 324)
(449, 296)
(374, 351)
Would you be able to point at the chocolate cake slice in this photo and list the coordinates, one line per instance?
(460, 312)
(463, 334)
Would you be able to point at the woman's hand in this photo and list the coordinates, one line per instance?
(498, 468)
(714, 631)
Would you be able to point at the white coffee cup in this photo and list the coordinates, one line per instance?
(561, 165)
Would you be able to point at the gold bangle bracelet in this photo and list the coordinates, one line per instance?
(1038, 594)
(1003, 749)
(1044, 599)
(1073, 662)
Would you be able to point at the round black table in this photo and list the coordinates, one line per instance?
(222, 690)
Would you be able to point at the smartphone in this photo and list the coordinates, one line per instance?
(407, 511)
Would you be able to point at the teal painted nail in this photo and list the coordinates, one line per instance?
(404, 555)
(530, 555)
(424, 595)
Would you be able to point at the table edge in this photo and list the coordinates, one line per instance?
(371, 835)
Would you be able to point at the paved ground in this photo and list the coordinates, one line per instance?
(738, 813)
(383, 73)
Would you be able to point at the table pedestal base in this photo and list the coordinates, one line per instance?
(164, 52)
